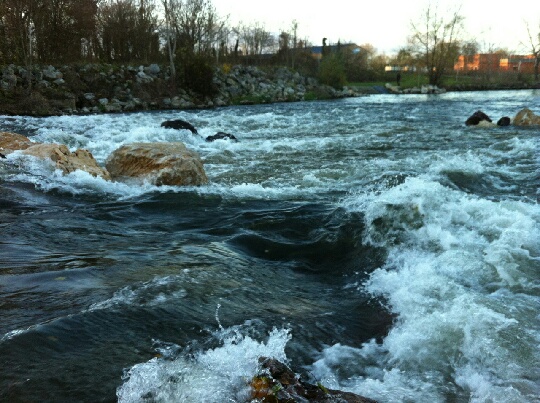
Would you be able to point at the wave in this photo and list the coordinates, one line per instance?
(461, 277)
(218, 374)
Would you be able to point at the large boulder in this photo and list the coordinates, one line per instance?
(158, 163)
(526, 117)
(67, 161)
(278, 383)
(10, 142)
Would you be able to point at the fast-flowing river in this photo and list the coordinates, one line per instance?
(375, 244)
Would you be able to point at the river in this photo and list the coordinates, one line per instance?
(375, 244)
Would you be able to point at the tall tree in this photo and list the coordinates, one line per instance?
(255, 38)
(18, 26)
(436, 39)
(534, 46)
(128, 30)
(62, 27)
(171, 10)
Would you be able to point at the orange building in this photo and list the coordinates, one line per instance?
(518, 63)
(485, 62)
(478, 62)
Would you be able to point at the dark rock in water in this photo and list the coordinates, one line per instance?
(221, 136)
(476, 118)
(278, 383)
(179, 124)
(504, 121)
(2, 155)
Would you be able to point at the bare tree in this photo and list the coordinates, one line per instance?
(171, 10)
(534, 46)
(436, 40)
(255, 38)
(18, 23)
(294, 32)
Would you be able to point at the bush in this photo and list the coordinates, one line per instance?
(198, 74)
(332, 71)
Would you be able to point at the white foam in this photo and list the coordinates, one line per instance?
(217, 375)
(462, 278)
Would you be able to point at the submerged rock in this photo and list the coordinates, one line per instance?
(526, 117)
(10, 142)
(67, 161)
(277, 383)
(159, 163)
(476, 118)
(221, 136)
(179, 124)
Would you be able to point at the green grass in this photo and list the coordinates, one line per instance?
(410, 80)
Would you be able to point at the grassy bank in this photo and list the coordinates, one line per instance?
(459, 81)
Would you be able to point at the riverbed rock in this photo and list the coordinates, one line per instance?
(159, 163)
(477, 118)
(278, 383)
(67, 161)
(179, 124)
(222, 136)
(10, 142)
(504, 121)
(526, 117)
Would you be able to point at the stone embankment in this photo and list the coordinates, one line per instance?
(98, 88)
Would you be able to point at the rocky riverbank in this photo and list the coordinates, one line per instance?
(99, 88)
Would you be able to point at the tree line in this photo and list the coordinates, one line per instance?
(65, 31)
(191, 37)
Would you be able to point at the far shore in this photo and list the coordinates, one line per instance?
(101, 88)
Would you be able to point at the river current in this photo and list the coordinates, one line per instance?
(375, 244)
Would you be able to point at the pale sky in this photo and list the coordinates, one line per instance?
(385, 24)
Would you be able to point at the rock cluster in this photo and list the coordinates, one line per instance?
(424, 89)
(525, 117)
(156, 163)
(97, 88)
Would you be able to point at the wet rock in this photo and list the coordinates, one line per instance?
(10, 142)
(221, 136)
(179, 124)
(277, 383)
(67, 161)
(159, 163)
(504, 121)
(526, 117)
(476, 118)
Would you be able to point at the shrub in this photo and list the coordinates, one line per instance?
(198, 74)
(332, 71)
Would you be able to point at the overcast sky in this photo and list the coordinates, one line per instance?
(386, 23)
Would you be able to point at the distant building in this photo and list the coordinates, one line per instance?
(317, 51)
(487, 62)
(478, 62)
(518, 63)
(392, 67)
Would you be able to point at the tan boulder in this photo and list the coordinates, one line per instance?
(67, 161)
(10, 142)
(159, 163)
(526, 117)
